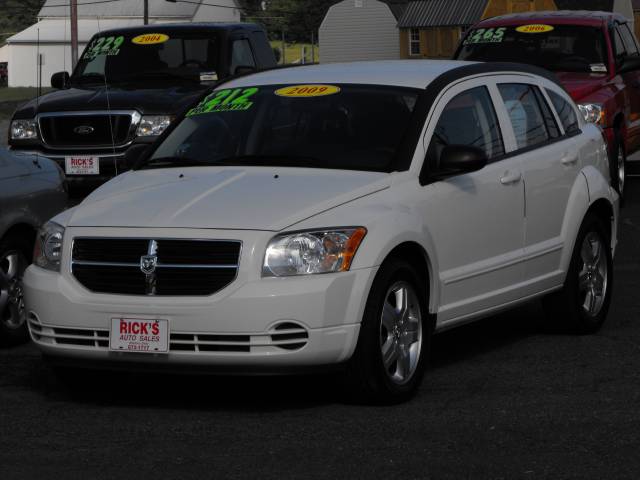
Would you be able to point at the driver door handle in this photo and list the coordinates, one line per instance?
(510, 177)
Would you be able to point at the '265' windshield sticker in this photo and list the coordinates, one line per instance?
(303, 91)
(229, 100)
(103, 46)
(486, 35)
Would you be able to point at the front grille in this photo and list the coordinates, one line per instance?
(68, 336)
(90, 130)
(182, 267)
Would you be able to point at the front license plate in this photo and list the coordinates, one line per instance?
(82, 165)
(139, 335)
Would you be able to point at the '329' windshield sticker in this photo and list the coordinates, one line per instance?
(229, 100)
(486, 35)
(103, 46)
(303, 91)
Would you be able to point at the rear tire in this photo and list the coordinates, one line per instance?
(583, 303)
(393, 346)
(14, 252)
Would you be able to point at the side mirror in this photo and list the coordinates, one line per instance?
(630, 64)
(60, 80)
(244, 70)
(135, 154)
(458, 159)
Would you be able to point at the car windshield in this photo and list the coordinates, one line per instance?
(352, 127)
(148, 58)
(561, 48)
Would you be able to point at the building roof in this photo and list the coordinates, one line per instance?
(397, 7)
(602, 5)
(57, 30)
(442, 13)
(128, 8)
(636, 4)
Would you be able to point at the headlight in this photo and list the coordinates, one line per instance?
(24, 129)
(592, 112)
(153, 125)
(305, 253)
(48, 248)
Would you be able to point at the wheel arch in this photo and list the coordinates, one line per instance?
(23, 230)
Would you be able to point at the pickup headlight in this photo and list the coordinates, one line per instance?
(24, 129)
(153, 125)
(304, 253)
(592, 112)
(48, 248)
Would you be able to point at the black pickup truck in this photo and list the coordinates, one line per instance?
(126, 89)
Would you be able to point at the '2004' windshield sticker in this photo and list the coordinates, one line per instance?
(305, 91)
(535, 28)
(150, 39)
(104, 46)
(229, 100)
(486, 35)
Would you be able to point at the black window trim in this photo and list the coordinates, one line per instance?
(566, 134)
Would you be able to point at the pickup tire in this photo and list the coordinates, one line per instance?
(582, 305)
(393, 346)
(618, 164)
(14, 252)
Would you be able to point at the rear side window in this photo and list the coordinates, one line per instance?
(525, 113)
(468, 119)
(566, 112)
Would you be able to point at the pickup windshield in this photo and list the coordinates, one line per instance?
(560, 48)
(351, 127)
(148, 58)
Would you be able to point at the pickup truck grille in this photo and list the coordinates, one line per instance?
(85, 130)
(163, 267)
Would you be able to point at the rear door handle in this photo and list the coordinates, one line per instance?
(510, 177)
(570, 160)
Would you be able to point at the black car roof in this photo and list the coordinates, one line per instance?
(577, 14)
(185, 27)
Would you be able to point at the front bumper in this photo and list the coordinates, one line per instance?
(234, 328)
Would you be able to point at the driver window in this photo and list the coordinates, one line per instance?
(468, 119)
(619, 46)
(629, 42)
(241, 55)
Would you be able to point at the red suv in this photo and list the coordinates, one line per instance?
(595, 55)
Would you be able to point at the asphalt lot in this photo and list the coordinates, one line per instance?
(503, 399)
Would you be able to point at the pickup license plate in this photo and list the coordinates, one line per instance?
(139, 335)
(82, 165)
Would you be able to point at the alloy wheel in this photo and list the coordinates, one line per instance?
(593, 278)
(12, 309)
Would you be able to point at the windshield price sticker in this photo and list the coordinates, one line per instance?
(535, 28)
(229, 100)
(305, 91)
(150, 39)
(486, 35)
(109, 46)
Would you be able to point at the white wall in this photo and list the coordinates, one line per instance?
(350, 32)
(207, 13)
(23, 68)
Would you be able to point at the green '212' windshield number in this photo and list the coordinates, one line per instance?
(230, 100)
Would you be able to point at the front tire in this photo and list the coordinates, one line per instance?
(583, 303)
(618, 164)
(394, 341)
(13, 262)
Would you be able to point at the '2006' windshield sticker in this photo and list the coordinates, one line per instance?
(486, 35)
(150, 39)
(305, 91)
(229, 100)
(104, 46)
(535, 28)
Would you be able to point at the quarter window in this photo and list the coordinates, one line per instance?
(526, 116)
(566, 112)
(468, 119)
(414, 42)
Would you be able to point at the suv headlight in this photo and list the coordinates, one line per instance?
(592, 112)
(153, 125)
(24, 129)
(48, 248)
(304, 253)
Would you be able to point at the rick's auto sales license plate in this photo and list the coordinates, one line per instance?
(139, 335)
(82, 165)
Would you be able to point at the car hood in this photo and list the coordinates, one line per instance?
(235, 198)
(149, 100)
(579, 85)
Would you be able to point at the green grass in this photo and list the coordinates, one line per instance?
(16, 94)
(293, 51)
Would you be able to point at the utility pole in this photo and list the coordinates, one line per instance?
(74, 33)
(146, 12)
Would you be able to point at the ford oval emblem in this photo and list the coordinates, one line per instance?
(84, 130)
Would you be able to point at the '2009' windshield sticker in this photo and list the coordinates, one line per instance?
(229, 100)
(103, 46)
(535, 28)
(150, 39)
(486, 35)
(305, 91)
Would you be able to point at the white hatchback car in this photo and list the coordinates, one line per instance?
(335, 215)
